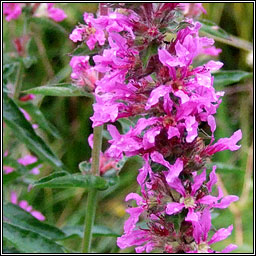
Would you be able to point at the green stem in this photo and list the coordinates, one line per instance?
(92, 194)
(233, 41)
(18, 82)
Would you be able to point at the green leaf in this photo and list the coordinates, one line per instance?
(111, 177)
(27, 241)
(48, 23)
(66, 180)
(39, 118)
(213, 29)
(23, 130)
(63, 90)
(8, 178)
(225, 167)
(224, 78)
(210, 29)
(148, 53)
(97, 230)
(17, 216)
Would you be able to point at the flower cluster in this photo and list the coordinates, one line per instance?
(12, 11)
(151, 79)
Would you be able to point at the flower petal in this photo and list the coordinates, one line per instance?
(173, 208)
(192, 216)
(198, 181)
(134, 196)
(229, 248)
(221, 234)
(213, 179)
(226, 201)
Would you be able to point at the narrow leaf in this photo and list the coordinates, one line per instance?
(49, 24)
(40, 119)
(8, 178)
(27, 241)
(17, 216)
(23, 130)
(66, 180)
(224, 78)
(97, 230)
(212, 28)
(63, 90)
(224, 166)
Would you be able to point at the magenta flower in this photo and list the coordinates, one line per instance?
(91, 33)
(200, 233)
(192, 9)
(29, 159)
(82, 74)
(12, 11)
(192, 200)
(225, 144)
(56, 14)
(8, 169)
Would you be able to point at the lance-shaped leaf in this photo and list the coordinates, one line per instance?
(210, 29)
(66, 180)
(224, 167)
(15, 215)
(224, 78)
(97, 230)
(23, 130)
(39, 118)
(27, 241)
(213, 29)
(61, 90)
(49, 24)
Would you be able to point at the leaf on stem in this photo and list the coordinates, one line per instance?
(224, 78)
(28, 241)
(97, 230)
(40, 119)
(66, 180)
(17, 216)
(14, 118)
(63, 90)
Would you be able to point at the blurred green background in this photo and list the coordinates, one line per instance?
(63, 207)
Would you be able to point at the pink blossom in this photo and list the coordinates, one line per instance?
(56, 14)
(12, 11)
(200, 233)
(7, 169)
(82, 74)
(192, 9)
(29, 159)
(225, 144)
